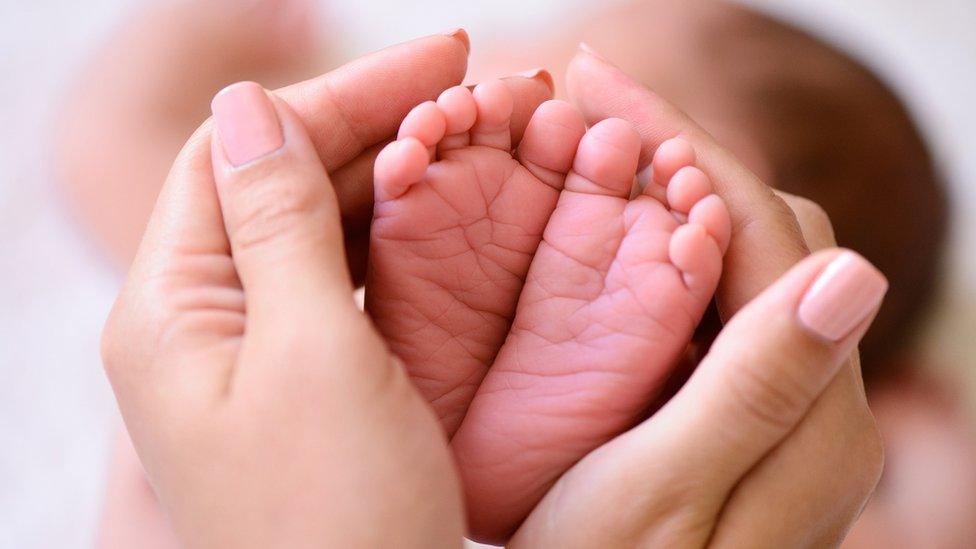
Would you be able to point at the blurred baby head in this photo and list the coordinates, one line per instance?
(809, 120)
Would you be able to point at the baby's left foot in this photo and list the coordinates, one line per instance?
(612, 298)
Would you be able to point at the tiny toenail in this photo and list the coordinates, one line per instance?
(460, 34)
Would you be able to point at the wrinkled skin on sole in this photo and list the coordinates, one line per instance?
(537, 306)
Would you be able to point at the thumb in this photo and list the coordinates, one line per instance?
(279, 210)
(771, 362)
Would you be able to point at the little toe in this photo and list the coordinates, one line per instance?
(492, 128)
(688, 186)
(712, 214)
(671, 156)
(606, 160)
(696, 254)
(426, 123)
(460, 112)
(399, 165)
(550, 142)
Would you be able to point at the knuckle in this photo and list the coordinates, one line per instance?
(812, 214)
(266, 211)
(111, 347)
(119, 336)
(768, 394)
(813, 220)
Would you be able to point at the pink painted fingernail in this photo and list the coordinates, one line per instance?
(460, 34)
(848, 290)
(247, 122)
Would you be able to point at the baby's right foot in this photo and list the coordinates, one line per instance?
(613, 297)
(457, 221)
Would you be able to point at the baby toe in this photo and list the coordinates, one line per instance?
(495, 104)
(459, 108)
(398, 166)
(696, 254)
(550, 141)
(671, 156)
(712, 214)
(688, 186)
(606, 160)
(426, 123)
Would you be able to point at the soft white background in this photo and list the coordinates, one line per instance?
(56, 411)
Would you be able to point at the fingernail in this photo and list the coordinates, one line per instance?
(539, 74)
(247, 122)
(583, 46)
(460, 34)
(847, 291)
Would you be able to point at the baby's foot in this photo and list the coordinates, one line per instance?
(457, 220)
(611, 300)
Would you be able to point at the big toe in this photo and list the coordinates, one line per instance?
(606, 161)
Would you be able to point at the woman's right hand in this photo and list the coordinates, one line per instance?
(770, 443)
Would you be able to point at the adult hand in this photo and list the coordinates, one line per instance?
(262, 403)
(771, 443)
(352, 112)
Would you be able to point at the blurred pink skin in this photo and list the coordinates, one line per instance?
(928, 493)
(133, 515)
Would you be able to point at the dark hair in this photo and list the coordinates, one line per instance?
(833, 132)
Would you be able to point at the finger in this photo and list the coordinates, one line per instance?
(766, 239)
(812, 487)
(362, 103)
(833, 487)
(770, 363)
(814, 222)
(183, 248)
(280, 212)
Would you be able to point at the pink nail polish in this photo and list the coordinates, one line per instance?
(247, 122)
(460, 34)
(847, 291)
